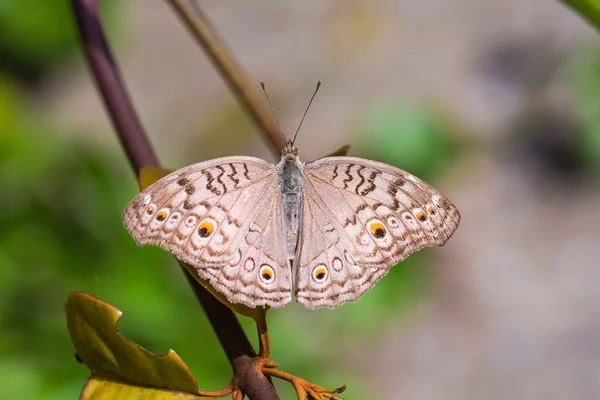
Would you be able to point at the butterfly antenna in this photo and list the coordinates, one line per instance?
(262, 84)
(307, 107)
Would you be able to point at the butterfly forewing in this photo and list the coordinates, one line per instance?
(218, 216)
(379, 215)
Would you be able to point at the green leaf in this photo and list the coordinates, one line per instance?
(589, 9)
(121, 368)
(585, 82)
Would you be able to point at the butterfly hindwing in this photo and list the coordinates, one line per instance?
(327, 274)
(259, 272)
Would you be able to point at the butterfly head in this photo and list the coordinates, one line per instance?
(290, 150)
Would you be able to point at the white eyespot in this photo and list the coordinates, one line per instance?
(174, 219)
(266, 273)
(337, 264)
(320, 273)
(393, 221)
(436, 199)
(412, 178)
(249, 264)
(191, 220)
(408, 218)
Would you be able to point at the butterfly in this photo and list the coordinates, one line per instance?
(324, 231)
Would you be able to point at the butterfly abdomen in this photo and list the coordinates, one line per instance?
(290, 178)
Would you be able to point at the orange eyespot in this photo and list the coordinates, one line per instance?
(206, 228)
(320, 273)
(421, 216)
(266, 273)
(150, 209)
(431, 210)
(162, 215)
(377, 229)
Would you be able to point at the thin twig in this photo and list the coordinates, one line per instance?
(140, 154)
(246, 92)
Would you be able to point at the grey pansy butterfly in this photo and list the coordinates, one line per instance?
(326, 230)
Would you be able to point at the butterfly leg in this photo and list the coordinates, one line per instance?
(264, 352)
(304, 389)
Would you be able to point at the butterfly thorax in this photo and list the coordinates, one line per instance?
(290, 179)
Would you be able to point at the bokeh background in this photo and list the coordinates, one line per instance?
(496, 103)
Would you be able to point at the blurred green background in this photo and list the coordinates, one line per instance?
(62, 193)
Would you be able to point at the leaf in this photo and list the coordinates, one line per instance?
(97, 389)
(342, 151)
(149, 175)
(119, 366)
(589, 9)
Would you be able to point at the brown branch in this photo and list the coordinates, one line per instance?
(234, 75)
(115, 97)
(140, 154)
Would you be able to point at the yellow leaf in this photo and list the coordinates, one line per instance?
(149, 175)
(342, 151)
(100, 389)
